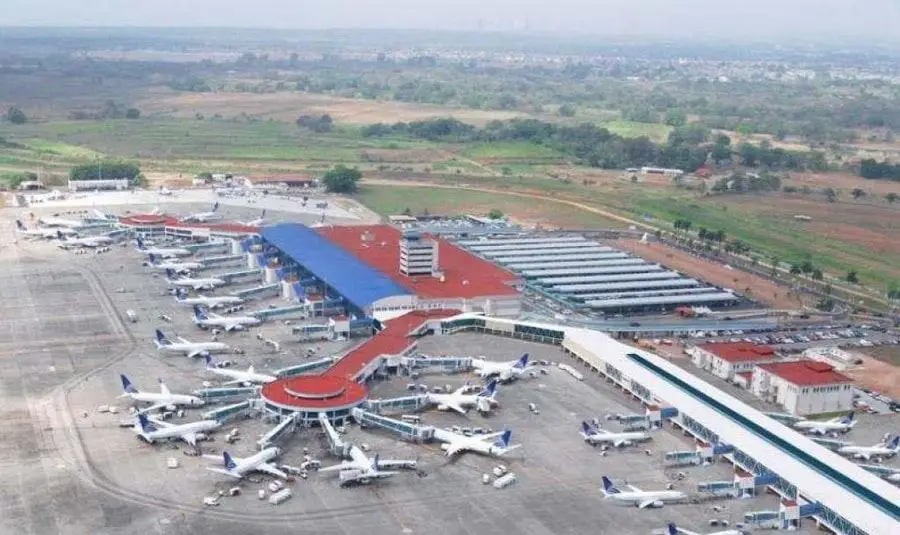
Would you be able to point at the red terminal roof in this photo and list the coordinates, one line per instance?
(740, 351)
(806, 372)
(336, 387)
(465, 275)
(172, 222)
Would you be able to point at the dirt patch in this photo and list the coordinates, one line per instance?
(870, 239)
(877, 375)
(288, 106)
(843, 181)
(753, 286)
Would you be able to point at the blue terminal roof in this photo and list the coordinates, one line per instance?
(358, 282)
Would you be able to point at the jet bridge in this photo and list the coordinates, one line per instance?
(787, 419)
(228, 412)
(243, 274)
(405, 404)
(446, 365)
(256, 291)
(220, 260)
(226, 394)
(207, 246)
(831, 444)
(290, 310)
(288, 424)
(880, 470)
(407, 431)
(300, 369)
(719, 488)
(336, 444)
(682, 458)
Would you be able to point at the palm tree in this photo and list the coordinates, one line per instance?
(857, 193)
(891, 197)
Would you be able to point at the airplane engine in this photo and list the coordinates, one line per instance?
(445, 447)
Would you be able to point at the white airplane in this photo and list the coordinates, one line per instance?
(461, 402)
(258, 221)
(205, 283)
(104, 217)
(506, 371)
(237, 376)
(360, 469)
(238, 468)
(880, 450)
(163, 399)
(454, 443)
(153, 430)
(60, 222)
(188, 349)
(206, 319)
(202, 217)
(48, 233)
(165, 191)
(165, 252)
(89, 241)
(672, 529)
(640, 498)
(596, 436)
(842, 424)
(894, 478)
(177, 267)
(207, 301)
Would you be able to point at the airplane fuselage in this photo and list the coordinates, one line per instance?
(168, 399)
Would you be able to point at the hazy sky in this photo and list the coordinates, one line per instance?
(874, 19)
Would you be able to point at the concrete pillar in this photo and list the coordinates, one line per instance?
(252, 261)
(236, 247)
(271, 275)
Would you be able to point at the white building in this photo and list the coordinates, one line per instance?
(732, 361)
(105, 184)
(803, 387)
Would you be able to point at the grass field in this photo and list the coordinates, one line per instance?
(656, 132)
(510, 151)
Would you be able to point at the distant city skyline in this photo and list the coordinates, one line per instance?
(821, 20)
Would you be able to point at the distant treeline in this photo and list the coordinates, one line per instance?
(688, 147)
(869, 168)
(105, 170)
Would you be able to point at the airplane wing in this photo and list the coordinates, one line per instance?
(455, 406)
(160, 424)
(163, 389)
(618, 443)
(218, 458)
(646, 503)
(453, 448)
(270, 469)
(337, 467)
(634, 489)
(182, 340)
(461, 390)
(491, 436)
(235, 381)
(391, 463)
(152, 408)
(223, 471)
(359, 457)
(197, 353)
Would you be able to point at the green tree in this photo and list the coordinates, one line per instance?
(566, 110)
(16, 116)
(407, 211)
(817, 274)
(676, 117)
(831, 194)
(341, 179)
(852, 277)
(495, 214)
(891, 198)
(132, 113)
(857, 193)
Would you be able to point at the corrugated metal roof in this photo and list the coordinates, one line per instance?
(653, 275)
(637, 285)
(647, 293)
(359, 283)
(556, 256)
(498, 248)
(806, 373)
(515, 241)
(663, 300)
(577, 267)
(545, 252)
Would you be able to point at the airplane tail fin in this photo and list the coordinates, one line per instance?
(170, 275)
(145, 424)
(608, 487)
(180, 294)
(20, 225)
(671, 529)
(490, 390)
(200, 313)
(59, 236)
(152, 259)
(229, 462)
(849, 419)
(215, 206)
(140, 242)
(375, 462)
(161, 339)
(210, 363)
(895, 444)
(127, 387)
(263, 215)
(523, 362)
(585, 428)
(503, 440)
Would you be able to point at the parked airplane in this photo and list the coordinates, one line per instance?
(163, 399)
(60, 222)
(104, 217)
(835, 425)
(640, 498)
(596, 436)
(206, 319)
(505, 371)
(238, 468)
(461, 402)
(153, 430)
(48, 233)
(454, 443)
(165, 252)
(675, 530)
(202, 217)
(258, 221)
(206, 301)
(188, 349)
(89, 241)
(361, 469)
(177, 267)
(880, 450)
(205, 283)
(237, 376)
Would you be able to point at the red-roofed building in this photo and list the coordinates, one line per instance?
(725, 360)
(803, 386)
(461, 280)
(153, 224)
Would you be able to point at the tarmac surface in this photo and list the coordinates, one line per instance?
(70, 469)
